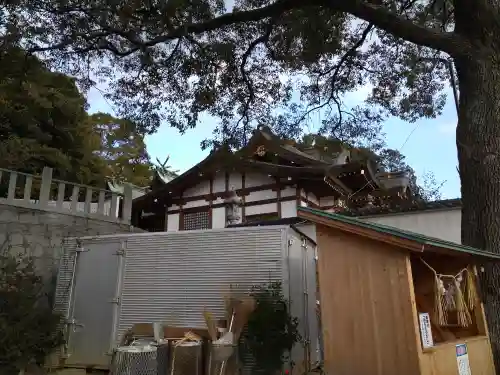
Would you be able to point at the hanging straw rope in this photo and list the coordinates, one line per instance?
(439, 297)
(471, 290)
(445, 303)
(464, 318)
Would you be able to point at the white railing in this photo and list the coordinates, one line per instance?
(99, 203)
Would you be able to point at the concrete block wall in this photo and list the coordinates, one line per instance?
(40, 234)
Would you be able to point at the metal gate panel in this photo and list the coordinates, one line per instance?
(297, 297)
(64, 278)
(314, 322)
(171, 277)
(93, 304)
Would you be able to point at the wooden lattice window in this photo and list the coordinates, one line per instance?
(196, 220)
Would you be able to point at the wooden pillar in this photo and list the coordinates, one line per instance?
(181, 213)
(210, 203)
(243, 198)
(278, 197)
(165, 222)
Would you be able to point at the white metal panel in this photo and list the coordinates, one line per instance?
(313, 320)
(303, 295)
(171, 277)
(296, 292)
(93, 304)
(64, 287)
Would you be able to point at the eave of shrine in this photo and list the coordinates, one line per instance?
(355, 180)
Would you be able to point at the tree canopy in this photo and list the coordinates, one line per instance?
(174, 60)
(276, 61)
(120, 149)
(41, 119)
(44, 122)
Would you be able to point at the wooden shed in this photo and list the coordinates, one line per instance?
(394, 302)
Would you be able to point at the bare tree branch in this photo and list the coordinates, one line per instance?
(379, 16)
(251, 93)
(448, 42)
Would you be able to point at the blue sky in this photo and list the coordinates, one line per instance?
(430, 147)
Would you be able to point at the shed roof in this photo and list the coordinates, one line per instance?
(402, 238)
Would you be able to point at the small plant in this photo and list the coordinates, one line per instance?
(29, 328)
(271, 331)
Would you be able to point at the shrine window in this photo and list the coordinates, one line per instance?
(196, 220)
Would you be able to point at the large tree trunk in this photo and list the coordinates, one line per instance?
(478, 144)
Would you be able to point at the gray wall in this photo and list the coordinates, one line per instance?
(40, 234)
(443, 224)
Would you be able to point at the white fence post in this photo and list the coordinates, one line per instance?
(46, 186)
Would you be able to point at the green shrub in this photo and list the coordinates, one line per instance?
(271, 331)
(29, 329)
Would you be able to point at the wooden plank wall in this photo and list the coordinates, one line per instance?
(366, 306)
(442, 360)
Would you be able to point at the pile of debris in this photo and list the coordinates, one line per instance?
(159, 349)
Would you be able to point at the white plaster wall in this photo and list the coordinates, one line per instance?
(261, 195)
(288, 209)
(289, 191)
(261, 209)
(257, 179)
(235, 181)
(443, 224)
(196, 203)
(202, 188)
(219, 183)
(312, 198)
(173, 222)
(174, 207)
(218, 218)
(327, 201)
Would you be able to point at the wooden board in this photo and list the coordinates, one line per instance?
(442, 360)
(366, 306)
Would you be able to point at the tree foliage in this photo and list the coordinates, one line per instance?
(174, 60)
(44, 122)
(42, 116)
(277, 61)
(30, 329)
(121, 149)
(164, 169)
(271, 331)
